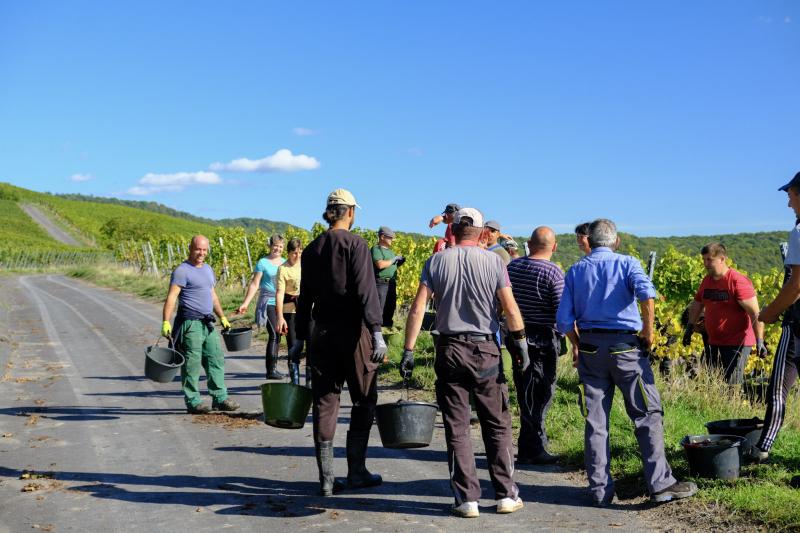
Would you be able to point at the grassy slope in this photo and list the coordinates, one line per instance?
(19, 231)
(88, 217)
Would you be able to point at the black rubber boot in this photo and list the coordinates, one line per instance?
(325, 465)
(358, 477)
(294, 373)
(272, 368)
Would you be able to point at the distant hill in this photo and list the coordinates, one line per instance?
(249, 224)
(107, 221)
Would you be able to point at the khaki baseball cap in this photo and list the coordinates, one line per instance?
(342, 197)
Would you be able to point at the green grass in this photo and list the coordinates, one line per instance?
(762, 492)
(19, 231)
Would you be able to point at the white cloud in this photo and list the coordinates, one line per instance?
(152, 183)
(81, 177)
(304, 132)
(281, 161)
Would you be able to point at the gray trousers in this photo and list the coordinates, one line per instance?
(609, 360)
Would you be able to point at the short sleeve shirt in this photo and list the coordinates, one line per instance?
(726, 322)
(793, 253)
(379, 253)
(196, 284)
(465, 281)
(268, 273)
(499, 250)
(289, 280)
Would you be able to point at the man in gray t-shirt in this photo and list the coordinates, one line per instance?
(191, 287)
(467, 283)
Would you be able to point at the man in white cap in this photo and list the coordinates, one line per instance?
(467, 283)
(338, 292)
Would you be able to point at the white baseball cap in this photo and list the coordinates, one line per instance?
(475, 216)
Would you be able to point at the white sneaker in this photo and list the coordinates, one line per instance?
(509, 505)
(466, 510)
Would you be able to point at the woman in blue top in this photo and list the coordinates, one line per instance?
(264, 278)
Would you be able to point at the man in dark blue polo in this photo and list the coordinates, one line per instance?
(609, 344)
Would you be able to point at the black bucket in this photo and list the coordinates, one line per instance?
(713, 456)
(237, 339)
(749, 428)
(161, 364)
(405, 424)
(429, 320)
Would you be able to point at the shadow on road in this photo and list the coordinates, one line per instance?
(70, 413)
(250, 495)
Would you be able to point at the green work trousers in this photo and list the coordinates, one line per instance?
(200, 345)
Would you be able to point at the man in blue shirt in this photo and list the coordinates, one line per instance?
(609, 344)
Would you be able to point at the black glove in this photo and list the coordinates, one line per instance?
(407, 364)
(378, 347)
(761, 349)
(518, 348)
(399, 260)
(687, 335)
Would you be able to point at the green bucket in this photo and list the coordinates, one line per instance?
(286, 405)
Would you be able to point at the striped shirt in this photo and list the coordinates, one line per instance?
(537, 285)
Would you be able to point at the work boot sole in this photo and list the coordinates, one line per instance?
(669, 496)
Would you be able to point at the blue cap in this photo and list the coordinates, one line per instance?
(794, 183)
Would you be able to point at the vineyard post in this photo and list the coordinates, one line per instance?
(152, 258)
(651, 264)
(146, 257)
(249, 260)
(244, 281)
(224, 262)
(169, 254)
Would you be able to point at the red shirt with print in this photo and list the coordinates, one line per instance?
(727, 322)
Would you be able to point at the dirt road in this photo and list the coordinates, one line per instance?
(119, 453)
(44, 221)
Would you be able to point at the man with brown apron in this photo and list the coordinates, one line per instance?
(338, 292)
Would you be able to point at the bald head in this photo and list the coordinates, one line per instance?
(542, 243)
(198, 250)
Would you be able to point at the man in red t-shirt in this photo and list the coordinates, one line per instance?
(447, 218)
(731, 315)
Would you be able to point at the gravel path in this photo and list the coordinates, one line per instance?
(44, 221)
(119, 453)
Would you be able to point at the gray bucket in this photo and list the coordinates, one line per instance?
(237, 339)
(161, 364)
(406, 424)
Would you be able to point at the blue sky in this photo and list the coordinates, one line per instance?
(670, 118)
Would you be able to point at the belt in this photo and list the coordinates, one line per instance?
(609, 331)
(470, 337)
(383, 280)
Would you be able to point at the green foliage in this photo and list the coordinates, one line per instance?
(18, 230)
(753, 252)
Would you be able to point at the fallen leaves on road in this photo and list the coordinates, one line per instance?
(32, 474)
(44, 527)
(226, 420)
(39, 402)
(25, 379)
(32, 420)
(32, 487)
(333, 515)
(7, 435)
